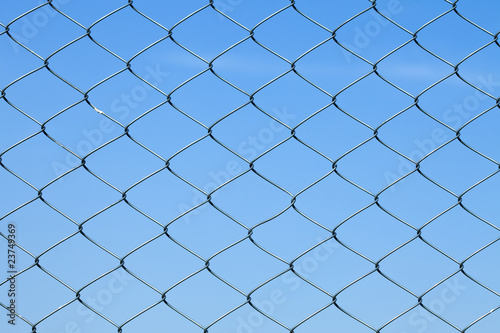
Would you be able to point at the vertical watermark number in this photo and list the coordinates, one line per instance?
(11, 272)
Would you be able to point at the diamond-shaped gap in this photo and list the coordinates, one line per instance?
(247, 319)
(418, 320)
(332, 200)
(482, 133)
(481, 13)
(459, 234)
(417, 266)
(158, 318)
(11, 184)
(487, 324)
(207, 43)
(293, 166)
(202, 99)
(119, 296)
(330, 266)
(32, 228)
(377, 293)
(167, 263)
(413, 69)
(14, 126)
(166, 65)
(379, 101)
(175, 130)
(48, 293)
(39, 151)
(460, 301)
(77, 261)
(333, 133)
(456, 167)
(374, 233)
(482, 200)
(445, 37)
(75, 317)
(199, 161)
(412, 15)
(15, 61)
(45, 30)
(121, 229)
(367, 166)
(249, 198)
(331, 14)
(208, 234)
(288, 235)
(371, 35)
(125, 97)
(84, 64)
(484, 67)
(332, 319)
(168, 14)
(290, 34)
(80, 13)
(250, 132)
(294, 299)
(454, 102)
(484, 268)
(129, 25)
(249, 66)
(77, 187)
(414, 134)
(291, 94)
(204, 298)
(172, 197)
(246, 266)
(331, 67)
(123, 162)
(41, 95)
(415, 199)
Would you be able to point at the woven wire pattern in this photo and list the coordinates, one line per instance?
(332, 299)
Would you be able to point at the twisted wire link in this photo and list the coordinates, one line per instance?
(294, 135)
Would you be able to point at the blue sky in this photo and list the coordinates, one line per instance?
(166, 111)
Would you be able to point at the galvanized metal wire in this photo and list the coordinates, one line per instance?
(293, 135)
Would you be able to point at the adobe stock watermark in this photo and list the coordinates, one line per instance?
(12, 266)
(249, 148)
(278, 296)
(33, 23)
(102, 299)
(366, 33)
(121, 107)
(450, 291)
(456, 116)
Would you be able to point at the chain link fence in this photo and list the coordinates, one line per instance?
(250, 166)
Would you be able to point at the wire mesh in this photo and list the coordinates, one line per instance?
(357, 303)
